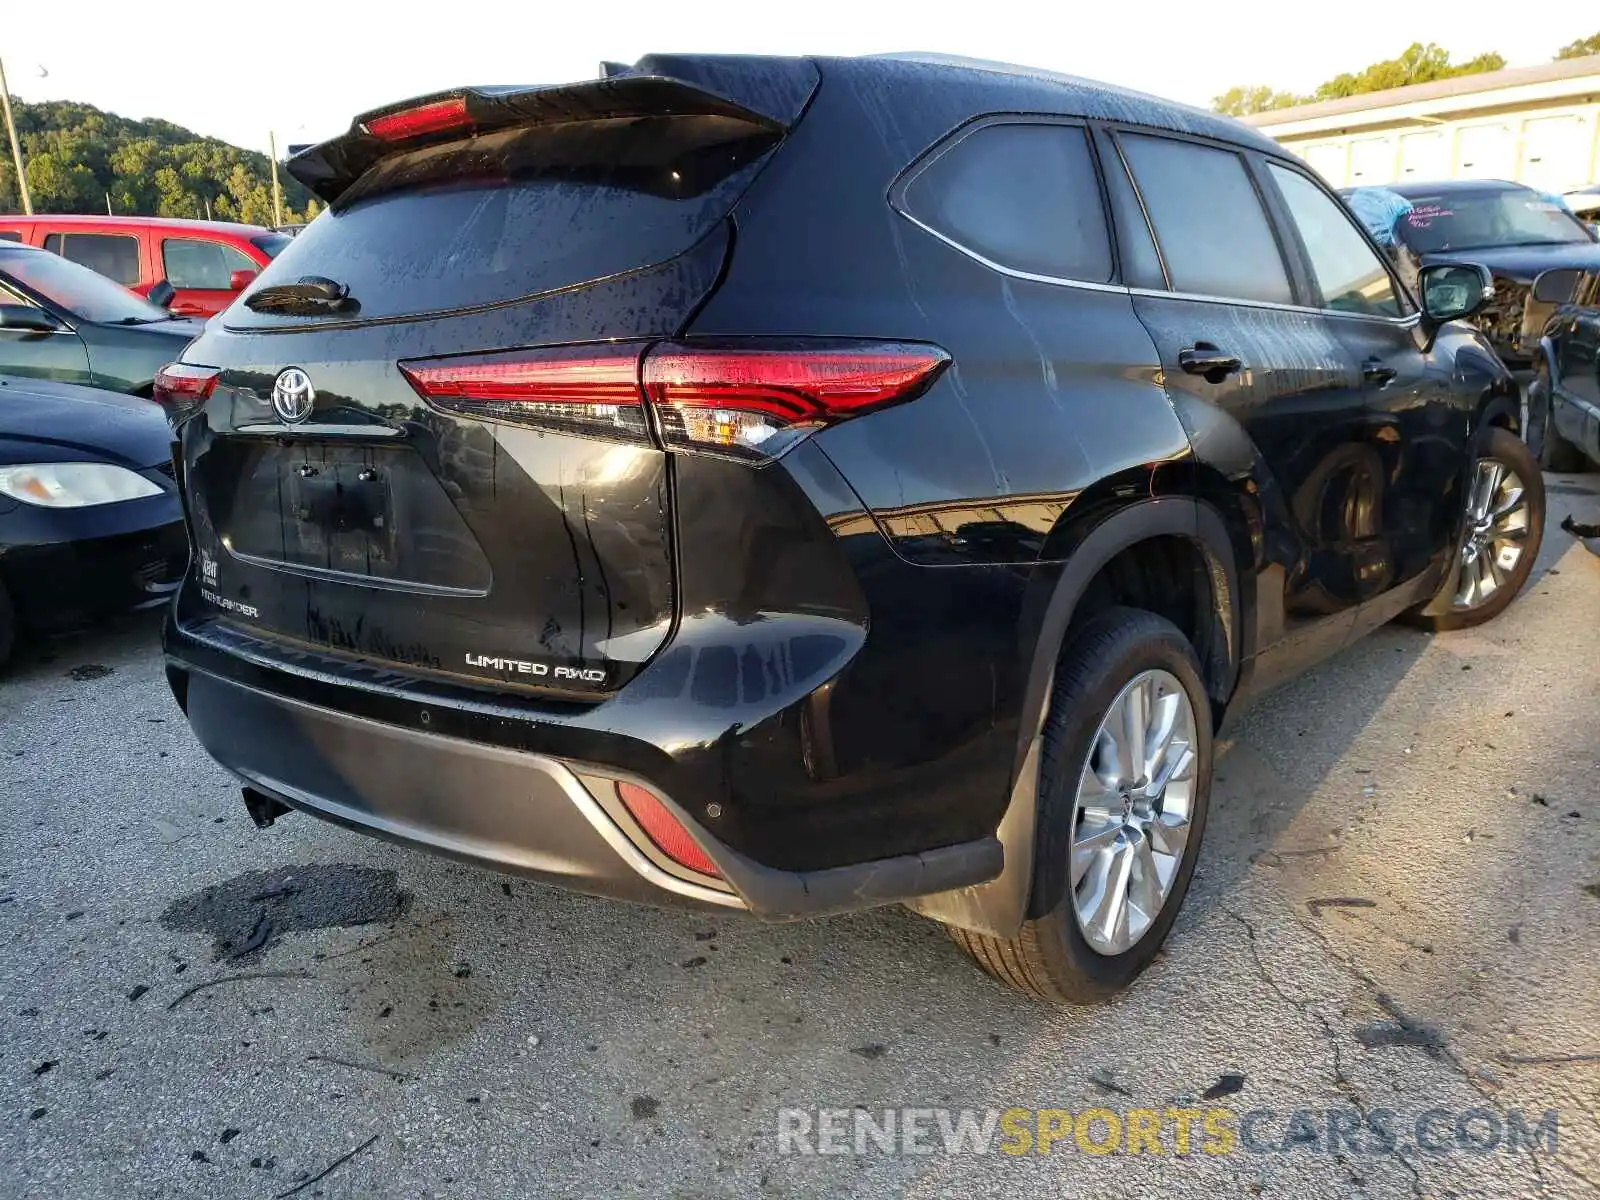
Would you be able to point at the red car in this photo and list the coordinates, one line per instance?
(206, 262)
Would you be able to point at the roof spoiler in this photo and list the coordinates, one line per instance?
(768, 93)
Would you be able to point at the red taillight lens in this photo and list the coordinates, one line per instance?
(592, 389)
(755, 401)
(438, 117)
(662, 828)
(743, 400)
(180, 387)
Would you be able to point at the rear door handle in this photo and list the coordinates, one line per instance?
(1206, 360)
(1373, 371)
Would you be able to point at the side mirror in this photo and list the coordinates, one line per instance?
(1451, 291)
(239, 280)
(27, 318)
(161, 294)
(1556, 286)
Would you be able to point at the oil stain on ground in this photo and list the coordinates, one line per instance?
(248, 913)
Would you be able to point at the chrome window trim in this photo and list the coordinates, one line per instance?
(1157, 293)
(1013, 272)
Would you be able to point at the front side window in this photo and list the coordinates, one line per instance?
(189, 263)
(1348, 273)
(112, 255)
(1023, 196)
(1213, 232)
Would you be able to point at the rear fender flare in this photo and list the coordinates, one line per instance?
(999, 907)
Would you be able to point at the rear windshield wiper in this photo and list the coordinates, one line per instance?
(312, 295)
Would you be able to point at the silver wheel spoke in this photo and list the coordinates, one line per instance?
(1492, 571)
(1145, 891)
(1112, 918)
(1135, 729)
(1176, 767)
(1158, 745)
(1513, 499)
(1090, 845)
(1169, 833)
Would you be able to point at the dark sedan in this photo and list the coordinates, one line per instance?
(1513, 230)
(59, 320)
(90, 521)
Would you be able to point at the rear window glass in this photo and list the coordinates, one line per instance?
(114, 256)
(508, 215)
(1022, 196)
(271, 244)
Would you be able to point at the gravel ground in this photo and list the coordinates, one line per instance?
(1397, 910)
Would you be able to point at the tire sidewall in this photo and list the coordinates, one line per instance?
(1145, 641)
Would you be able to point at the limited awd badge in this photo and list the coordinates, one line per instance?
(293, 396)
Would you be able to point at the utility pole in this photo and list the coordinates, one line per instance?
(109, 213)
(277, 192)
(16, 146)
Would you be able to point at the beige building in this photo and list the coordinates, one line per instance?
(1535, 125)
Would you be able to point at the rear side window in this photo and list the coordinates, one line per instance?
(194, 264)
(112, 255)
(10, 235)
(1022, 196)
(511, 214)
(1213, 232)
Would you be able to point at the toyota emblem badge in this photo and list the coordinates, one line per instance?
(293, 396)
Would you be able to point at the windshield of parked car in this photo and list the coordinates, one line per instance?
(271, 244)
(1473, 220)
(85, 294)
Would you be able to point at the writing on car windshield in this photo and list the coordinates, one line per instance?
(1470, 220)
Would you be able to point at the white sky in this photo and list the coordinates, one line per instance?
(233, 71)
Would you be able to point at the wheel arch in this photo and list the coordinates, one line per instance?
(998, 907)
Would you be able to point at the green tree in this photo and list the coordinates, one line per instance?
(78, 157)
(1581, 48)
(1418, 63)
(1242, 101)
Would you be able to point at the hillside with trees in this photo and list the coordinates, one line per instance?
(1418, 63)
(79, 159)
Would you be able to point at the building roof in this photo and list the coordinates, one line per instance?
(1439, 89)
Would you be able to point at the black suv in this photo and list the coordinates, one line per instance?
(794, 485)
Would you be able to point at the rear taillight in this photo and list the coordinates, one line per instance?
(757, 401)
(739, 399)
(665, 830)
(180, 387)
(591, 389)
(440, 116)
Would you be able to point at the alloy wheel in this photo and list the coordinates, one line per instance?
(1497, 531)
(1132, 812)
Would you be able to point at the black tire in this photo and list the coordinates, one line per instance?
(1552, 451)
(1505, 447)
(1049, 957)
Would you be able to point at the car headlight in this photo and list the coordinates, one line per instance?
(73, 485)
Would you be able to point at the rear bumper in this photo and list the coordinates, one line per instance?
(554, 818)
